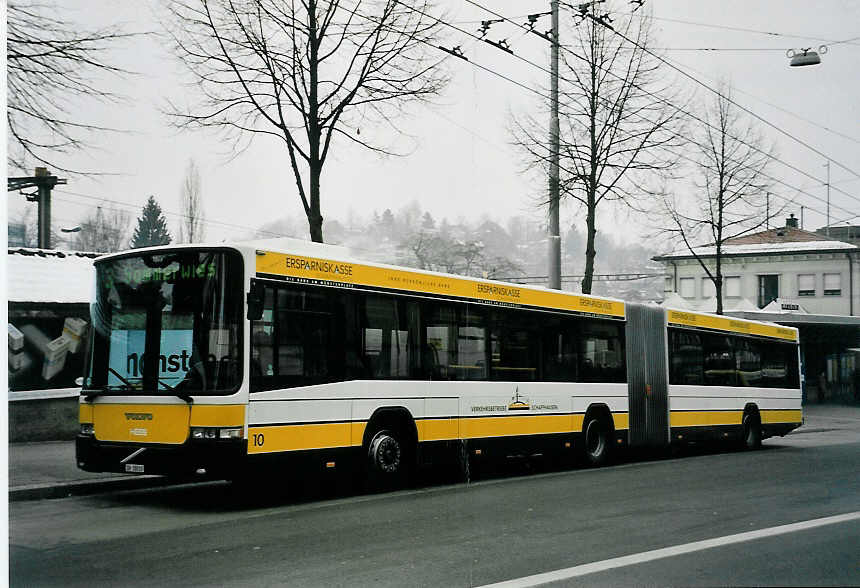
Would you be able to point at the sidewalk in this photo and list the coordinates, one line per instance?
(48, 470)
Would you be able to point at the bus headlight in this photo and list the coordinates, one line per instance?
(88, 429)
(231, 433)
(216, 433)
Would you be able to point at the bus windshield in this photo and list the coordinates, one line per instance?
(167, 323)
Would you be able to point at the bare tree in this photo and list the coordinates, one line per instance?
(191, 227)
(49, 65)
(616, 122)
(438, 250)
(25, 227)
(103, 232)
(731, 190)
(305, 72)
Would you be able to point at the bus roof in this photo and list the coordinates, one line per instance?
(686, 318)
(334, 265)
(324, 265)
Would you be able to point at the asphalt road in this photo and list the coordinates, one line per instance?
(498, 529)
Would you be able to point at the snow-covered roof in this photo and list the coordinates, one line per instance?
(763, 248)
(729, 305)
(45, 275)
(784, 305)
(674, 300)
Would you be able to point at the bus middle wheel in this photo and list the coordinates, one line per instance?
(597, 441)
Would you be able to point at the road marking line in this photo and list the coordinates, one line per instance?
(646, 556)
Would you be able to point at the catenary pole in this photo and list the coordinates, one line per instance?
(554, 237)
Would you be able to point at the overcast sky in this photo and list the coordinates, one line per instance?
(462, 164)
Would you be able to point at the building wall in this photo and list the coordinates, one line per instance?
(788, 268)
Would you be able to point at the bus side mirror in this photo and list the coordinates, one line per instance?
(256, 298)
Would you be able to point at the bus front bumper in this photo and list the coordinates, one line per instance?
(218, 458)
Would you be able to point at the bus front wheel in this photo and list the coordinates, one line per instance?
(385, 453)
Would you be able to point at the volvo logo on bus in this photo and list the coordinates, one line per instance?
(138, 416)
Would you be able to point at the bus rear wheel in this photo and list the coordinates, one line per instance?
(597, 441)
(751, 432)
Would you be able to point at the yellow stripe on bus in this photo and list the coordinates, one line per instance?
(438, 429)
(781, 416)
(622, 420)
(694, 319)
(701, 418)
(511, 426)
(272, 438)
(730, 417)
(315, 268)
(267, 439)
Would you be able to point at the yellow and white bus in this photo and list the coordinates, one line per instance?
(288, 354)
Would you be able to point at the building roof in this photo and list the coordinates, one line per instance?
(777, 235)
(739, 247)
(46, 275)
(787, 239)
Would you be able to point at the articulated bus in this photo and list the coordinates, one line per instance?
(286, 355)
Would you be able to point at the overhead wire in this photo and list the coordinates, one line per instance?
(727, 98)
(668, 103)
(661, 99)
(780, 108)
(540, 67)
(741, 29)
(479, 66)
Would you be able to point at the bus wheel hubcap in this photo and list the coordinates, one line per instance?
(385, 453)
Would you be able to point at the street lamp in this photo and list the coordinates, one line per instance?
(801, 57)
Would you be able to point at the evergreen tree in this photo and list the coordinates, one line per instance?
(151, 227)
(427, 221)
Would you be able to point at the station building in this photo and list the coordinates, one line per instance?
(48, 294)
(788, 276)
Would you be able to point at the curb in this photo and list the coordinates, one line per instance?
(84, 487)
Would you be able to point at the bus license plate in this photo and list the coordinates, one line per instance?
(134, 468)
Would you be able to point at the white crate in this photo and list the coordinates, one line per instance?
(73, 332)
(16, 339)
(16, 361)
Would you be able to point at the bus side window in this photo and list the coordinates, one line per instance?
(685, 359)
(777, 359)
(471, 344)
(294, 343)
(748, 362)
(385, 348)
(602, 352)
(559, 361)
(515, 347)
(440, 345)
(719, 359)
(262, 343)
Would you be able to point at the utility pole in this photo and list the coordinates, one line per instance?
(554, 237)
(44, 182)
(827, 229)
(767, 212)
